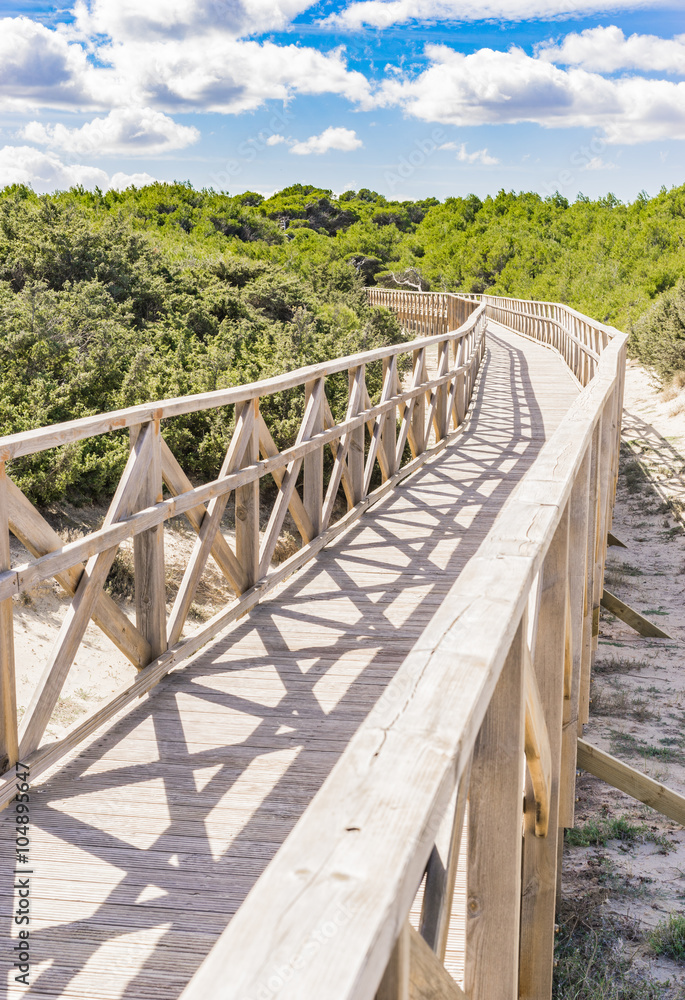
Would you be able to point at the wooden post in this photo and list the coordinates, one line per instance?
(355, 456)
(577, 583)
(9, 741)
(418, 417)
(247, 506)
(148, 553)
(441, 872)
(395, 982)
(441, 415)
(589, 609)
(389, 431)
(494, 841)
(540, 853)
(313, 467)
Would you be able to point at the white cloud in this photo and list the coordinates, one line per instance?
(129, 20)
(488, 87)
(607, 49)
(344, 139)
(39, 66)
(384, 13)
(480, 156)
(125, 131)
(275, 140)
(597, 163)
(197, 68)
(46, 172)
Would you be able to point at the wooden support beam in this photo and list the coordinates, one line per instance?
(632, 617)
(340, 450)
(428, 978)
(36, 535)
(177, 482)
(335, 447)
(355, 458)
(313, 463)
(537, 748)
(148, 551)
(9, 740)
(631, 781)
(395, 982)
(269, 449)
(493, 901)
(540, 853)
(247, 505)
(209, 529)
(47, 691)
(441, 872)
(613, 540)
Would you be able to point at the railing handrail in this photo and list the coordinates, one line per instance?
(53, 435)
(363, 844)
(138, 511)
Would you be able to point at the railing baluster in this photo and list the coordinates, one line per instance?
(355, 458)
(9, 741)
(313, 465)
(540, 853)
(148, 552)
(247, 506)
(494, 843)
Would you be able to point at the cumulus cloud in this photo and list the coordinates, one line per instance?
(128, 20)
(343, 139)
(125, 131)
(607, 49)
(489, 88)
(44, 171)
(197, 68)
(39, 66)
(384, 13)
(275, 140)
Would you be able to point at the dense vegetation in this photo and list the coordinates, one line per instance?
(107, 300)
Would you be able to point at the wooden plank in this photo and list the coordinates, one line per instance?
(613, 540)
(36, 535)
(148, 552)
(313, 463)
(632, 617)
(247, 506)
(81, 609)
(575, 621)
(428, 979)
(395, 982)
(209, 528)
(537, 748)
(312, 423)
(300, 516)
(389, 425)
(441, 872)
(335, 445)
(355, 457)
(43, 438)
(635, 783)
(9, 740)
(494, 857)
(177, 483)
(540, 853)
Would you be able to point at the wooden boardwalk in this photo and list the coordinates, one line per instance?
(147, 841)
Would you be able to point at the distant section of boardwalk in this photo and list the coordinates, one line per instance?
(147, 842)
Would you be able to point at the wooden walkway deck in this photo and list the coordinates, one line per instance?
(149, 839)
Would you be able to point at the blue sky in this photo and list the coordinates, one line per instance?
(411, 98)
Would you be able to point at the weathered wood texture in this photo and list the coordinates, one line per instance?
(154, 643)
(151, 838)
(312, 757)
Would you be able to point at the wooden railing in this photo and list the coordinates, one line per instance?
(424, 313)
(501, 675)
(417, 411)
